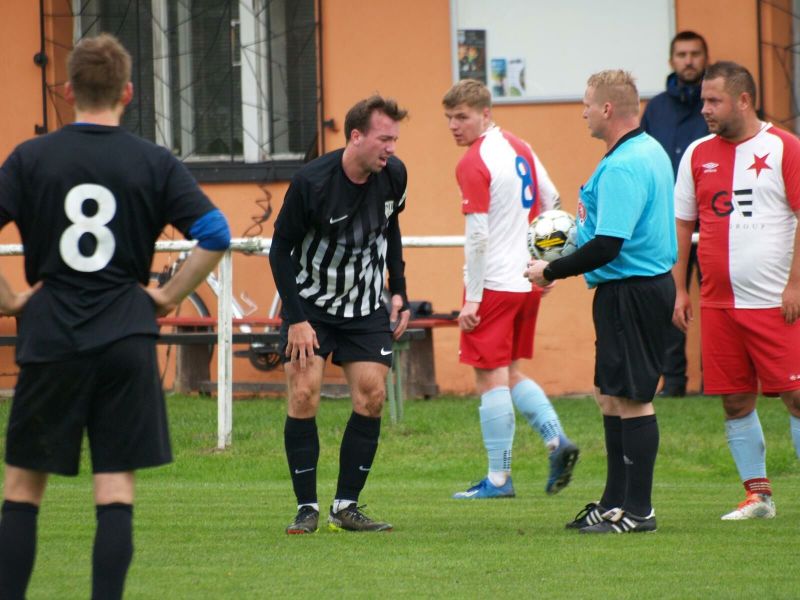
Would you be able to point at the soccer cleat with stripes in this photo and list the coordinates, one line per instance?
(755, 506)
(485, 489)
(591, 514)
(562, 462)
(350, 518)
(617, 520)
(306, 521)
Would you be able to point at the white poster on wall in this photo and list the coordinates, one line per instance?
(543, 51)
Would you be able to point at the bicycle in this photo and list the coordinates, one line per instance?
(262, 356)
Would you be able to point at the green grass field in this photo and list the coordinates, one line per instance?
(211, 525)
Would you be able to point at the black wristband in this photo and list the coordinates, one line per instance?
(397, 285)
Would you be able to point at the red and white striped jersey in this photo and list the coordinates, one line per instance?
(501, 175)
(745, 196)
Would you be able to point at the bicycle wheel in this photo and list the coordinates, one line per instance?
(180, 365)
(265, 357)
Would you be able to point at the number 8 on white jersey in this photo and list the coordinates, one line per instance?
(94, 225)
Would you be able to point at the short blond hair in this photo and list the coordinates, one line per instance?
(617, 87)
(470, 92)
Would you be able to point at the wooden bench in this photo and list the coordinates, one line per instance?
(413, 373)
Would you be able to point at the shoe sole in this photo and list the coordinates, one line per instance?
(747, 518)
(337, 529)
(299, 531)
(569, 461)
(583, 530)
(483, 497)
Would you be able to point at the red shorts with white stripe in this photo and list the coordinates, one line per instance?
(745, 347)
(505, 333)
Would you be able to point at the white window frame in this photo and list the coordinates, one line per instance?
(256, 82)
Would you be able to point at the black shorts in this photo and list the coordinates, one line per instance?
(632, 318)
(355, 339)
(114, 394)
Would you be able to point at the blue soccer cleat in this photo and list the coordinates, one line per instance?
(562, 462)
(485, 489)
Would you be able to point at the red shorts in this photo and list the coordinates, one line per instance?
(505, 333)
(745, 347)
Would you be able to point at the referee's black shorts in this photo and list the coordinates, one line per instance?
(113, 394)
(632, 318)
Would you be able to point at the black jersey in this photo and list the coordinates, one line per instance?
(338, 230)
(90, 202)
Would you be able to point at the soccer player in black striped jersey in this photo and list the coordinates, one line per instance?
(89, 202)
(336, 234)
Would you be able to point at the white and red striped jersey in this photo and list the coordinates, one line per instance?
(501, 175)
(745, 196)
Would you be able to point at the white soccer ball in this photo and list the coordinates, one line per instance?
(552, 235)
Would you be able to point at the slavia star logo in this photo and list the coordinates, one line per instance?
(759, 164)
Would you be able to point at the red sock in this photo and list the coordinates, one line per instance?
(758, 485)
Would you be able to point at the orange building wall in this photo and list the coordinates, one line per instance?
(20, 111)
(371, 46)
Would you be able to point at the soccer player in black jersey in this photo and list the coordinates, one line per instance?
(89, 201)
(336, 233)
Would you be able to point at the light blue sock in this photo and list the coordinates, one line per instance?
(532, 402)
(746, 441)
(497, 426)
(794, 423)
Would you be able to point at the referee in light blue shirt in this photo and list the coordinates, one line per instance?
(626, 249)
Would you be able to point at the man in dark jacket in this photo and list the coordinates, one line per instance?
(673, 118)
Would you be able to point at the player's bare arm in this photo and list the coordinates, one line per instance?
(12, 303)
(790, 301)
(682, 315)
(194, 270)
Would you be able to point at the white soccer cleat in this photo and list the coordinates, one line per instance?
(755, 506)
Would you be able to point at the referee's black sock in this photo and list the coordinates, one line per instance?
(614, 494)
(640, 440)
(301, 440)
(17, 548)
(359, 445)
(113, 550)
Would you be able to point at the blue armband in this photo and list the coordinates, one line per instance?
(211, 231)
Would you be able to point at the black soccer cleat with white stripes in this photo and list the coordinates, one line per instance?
(591, 514)
(617, 520)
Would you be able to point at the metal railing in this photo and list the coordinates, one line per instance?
(225, 314)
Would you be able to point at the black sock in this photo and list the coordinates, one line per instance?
(113, 550)
(359, 445)
(614, 493)
(302, 451)
(640, 440)
(17, 548)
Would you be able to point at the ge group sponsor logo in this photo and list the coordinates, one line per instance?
(723, 205)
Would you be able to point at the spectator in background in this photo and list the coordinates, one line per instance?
(673, 118)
